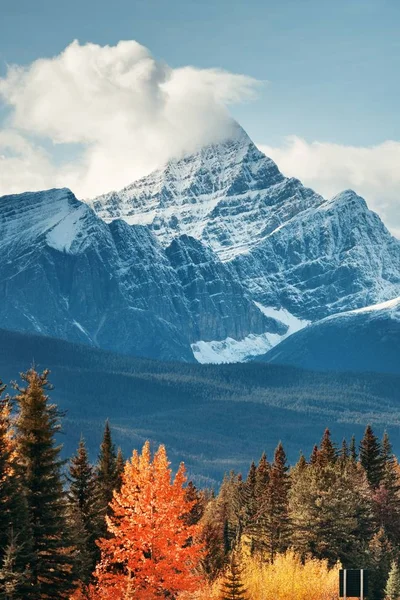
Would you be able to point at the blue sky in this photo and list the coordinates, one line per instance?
(331, 69)
(332, 66)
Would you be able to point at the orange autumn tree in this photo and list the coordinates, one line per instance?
(152, 552)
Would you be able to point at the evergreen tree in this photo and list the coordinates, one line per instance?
(232, 585)
(198, 503)
(119, 468)
(108, 477)
(344, 455)
(250, 507)
(50, 560)
(13, 579)
(83, 502)
(381, 556)
(220, 526)
(314, 455)
(301, 463)
(277, 517)
(331, 513)
(371, 457)
(353, 449)
(392, 590)
(327, 451)
(387, 495)
(262, 478)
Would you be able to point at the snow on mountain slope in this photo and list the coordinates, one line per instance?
(66, 273)
(366, 339)
(290, 248)
(182, 198)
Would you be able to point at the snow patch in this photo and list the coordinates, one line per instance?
(281, 314)
(62, 236)
(395, 303)
(232, 351)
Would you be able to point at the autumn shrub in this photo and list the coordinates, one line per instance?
(286, 579)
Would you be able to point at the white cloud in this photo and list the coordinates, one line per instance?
(129, 112)
(373, 172)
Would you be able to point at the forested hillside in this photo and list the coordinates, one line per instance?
(215, 417)
(135, 528)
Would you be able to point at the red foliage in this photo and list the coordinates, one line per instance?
(151, 553)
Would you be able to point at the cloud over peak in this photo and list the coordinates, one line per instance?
(128, 113)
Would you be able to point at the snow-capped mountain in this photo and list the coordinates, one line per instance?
(217, 256)
(66, 273)
(365, 339)
(289, 247)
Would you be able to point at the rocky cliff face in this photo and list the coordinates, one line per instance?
(217, 255)
(66, 273)
(290, 247)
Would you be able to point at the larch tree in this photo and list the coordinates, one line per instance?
(50, 559)
(14, 526)
(151, 551)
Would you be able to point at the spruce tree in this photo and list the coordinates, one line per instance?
(277, 517)
(50, 559)
(327, 451)
(119, 468)
(387, 495)
(108, 477)
(232, 585)
(392, 590)
(314, 455)
(83, 505)
(344, 455)
(353, 449)
(371, 457)
(262, 477)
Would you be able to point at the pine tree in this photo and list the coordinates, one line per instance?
(381, 556)
(147, 554)
(38, 421)
(327, 451)
(371, 457)
(353, 449)
(108, 477)
(83, 503)
(119, 468)
(262, 477)
(301, 463)
(331, 512)
(387, 495)
(13, 580)
(277, 517)
(232, 585)
(392, 590)
(344, 455)
(314, 455)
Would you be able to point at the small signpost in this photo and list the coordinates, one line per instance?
(353, 583)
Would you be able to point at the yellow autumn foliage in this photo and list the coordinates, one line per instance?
(286, 579)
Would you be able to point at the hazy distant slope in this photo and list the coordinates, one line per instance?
(367, 339)
(213, 417)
